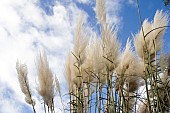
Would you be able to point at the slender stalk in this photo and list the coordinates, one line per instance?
(111, 95)
(70, 101)
(113, 102)
(96, 97)
(145, 78)
(48, 109)
(76, 106)
(29, 93)
(88, 102)
(44, 107)
(33, 108)
(159, 106)
(109, 89)
(99, 102)
(119, 104)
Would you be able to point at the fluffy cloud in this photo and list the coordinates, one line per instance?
(84, 1)
(132, 2)
(113, 8)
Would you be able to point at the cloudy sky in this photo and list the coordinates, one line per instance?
(29, 26)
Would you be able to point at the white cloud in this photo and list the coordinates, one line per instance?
(113, 8)
(6, 104)
(132, 2)
(84, 1)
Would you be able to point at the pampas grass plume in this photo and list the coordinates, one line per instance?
(100, 11)
(24, 84)
(111, 47)
(45, 80)
(130, 68)
(80, 41)
(94, 59)
(68, 71)
(126, 59)
(153, 39)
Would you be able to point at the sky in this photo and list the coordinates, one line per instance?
(30, 26)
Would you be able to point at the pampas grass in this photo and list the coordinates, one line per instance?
(100, 11)
(111, 47)
(75, 73)
(130, 69)
(67, 74)
(45, 81)
(24, 83)
(80, 42)
(101, 77)
(145, 43)
(100, 59)
(129, 72)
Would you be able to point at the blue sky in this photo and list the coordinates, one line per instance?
(127, 13)
(28, 26)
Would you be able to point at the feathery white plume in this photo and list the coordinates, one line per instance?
(100, 11)
(80, 41)
(94, 60)
(23, 80)
(110, 46)
(45, 80)
(68, 71)
(71, 71)
(153, 38)
(78, 56)
(130, 68)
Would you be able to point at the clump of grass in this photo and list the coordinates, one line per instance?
(148, 43)
(103, 79)
(132, 71)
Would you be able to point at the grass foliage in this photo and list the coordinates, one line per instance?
(103, 79)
